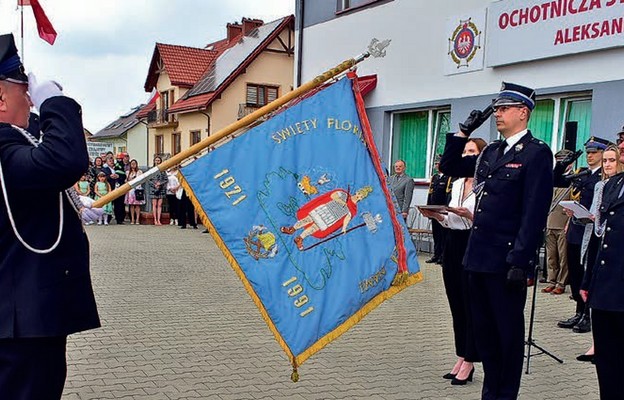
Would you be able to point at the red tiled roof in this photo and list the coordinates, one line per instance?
(202, 101)
(221, 45)
(185, 65)
(192, 103)
(146, 110)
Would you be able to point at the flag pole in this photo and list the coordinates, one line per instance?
(376, 49)
(22, 31)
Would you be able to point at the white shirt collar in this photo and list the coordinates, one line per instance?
(515, 139)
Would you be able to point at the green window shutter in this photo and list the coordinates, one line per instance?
(541, 121)
(579, 111)
(443, 126)
(411, 142)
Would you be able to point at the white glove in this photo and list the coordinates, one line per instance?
(87, 213)
(40, 92)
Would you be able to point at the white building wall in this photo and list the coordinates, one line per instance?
(137, 144)
(413, 69)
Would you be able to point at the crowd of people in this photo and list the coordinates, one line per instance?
(108, 172)
(498, 205)
(495, 215)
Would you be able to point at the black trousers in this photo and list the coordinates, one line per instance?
(575, 274)
(439, 234)
(498, 319)
(456, 286)
(173, 201)
(186, 212)
(32, 369)
(608, 331)
(119, 209)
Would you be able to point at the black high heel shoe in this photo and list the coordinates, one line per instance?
(585, 357)
(456, 381)
(449, 376)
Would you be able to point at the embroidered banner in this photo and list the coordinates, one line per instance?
(300, 207)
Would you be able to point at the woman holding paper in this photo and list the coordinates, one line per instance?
(603, 284)
(459, 222)
(594, 230)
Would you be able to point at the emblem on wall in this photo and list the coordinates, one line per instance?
(464, 43)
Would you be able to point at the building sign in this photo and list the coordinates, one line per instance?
(465, 43)
(524, 30)
(97, 149)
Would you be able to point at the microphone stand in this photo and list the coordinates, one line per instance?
(530, 342)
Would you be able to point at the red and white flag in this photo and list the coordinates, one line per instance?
(44, 26)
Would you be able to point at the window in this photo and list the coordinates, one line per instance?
(260, 95)
(579, 110)
(541, 121)
(195, 137)
(417, 137)
(176, 143)
(166, 101)
(160, 144)
(550, 115)
(344, 5)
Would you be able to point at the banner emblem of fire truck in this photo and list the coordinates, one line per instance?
(464, 43)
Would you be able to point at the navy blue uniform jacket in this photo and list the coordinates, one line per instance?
(514, 195)
(44, 295)
(605, 281)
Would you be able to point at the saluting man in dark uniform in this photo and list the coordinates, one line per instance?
(514, 185)
(45, 285)
(604, 285)
(439, 195)
(583, 192)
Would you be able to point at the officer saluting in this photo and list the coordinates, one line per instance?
(514, 185)
(45, 286)
(582, 190)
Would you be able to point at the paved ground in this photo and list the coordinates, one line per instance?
(177, 324)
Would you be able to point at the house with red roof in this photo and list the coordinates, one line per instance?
(198, 91)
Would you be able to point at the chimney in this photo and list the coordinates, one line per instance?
(233, 31)
(251, 24)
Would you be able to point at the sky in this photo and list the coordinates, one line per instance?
(103, 49)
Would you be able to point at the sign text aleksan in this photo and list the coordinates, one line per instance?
(521, 30)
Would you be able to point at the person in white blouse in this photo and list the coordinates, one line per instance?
(459, 222)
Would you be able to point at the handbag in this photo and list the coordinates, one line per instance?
(139, 193)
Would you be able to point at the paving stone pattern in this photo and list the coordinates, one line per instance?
(177, 324)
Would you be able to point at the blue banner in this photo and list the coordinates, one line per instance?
(301, 212)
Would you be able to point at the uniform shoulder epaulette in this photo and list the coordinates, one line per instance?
(537, 141)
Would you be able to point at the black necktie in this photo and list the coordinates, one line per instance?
(501, 150)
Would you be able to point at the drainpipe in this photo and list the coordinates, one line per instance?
(300, 41)
(208, 118)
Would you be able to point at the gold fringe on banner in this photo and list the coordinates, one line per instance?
(396, 287)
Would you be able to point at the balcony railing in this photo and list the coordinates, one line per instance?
(161, 118)
(245, 109)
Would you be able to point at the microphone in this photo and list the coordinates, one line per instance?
(581, 174)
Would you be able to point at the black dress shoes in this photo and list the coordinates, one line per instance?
(570, 322)
(583, 326)
(432, 260)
